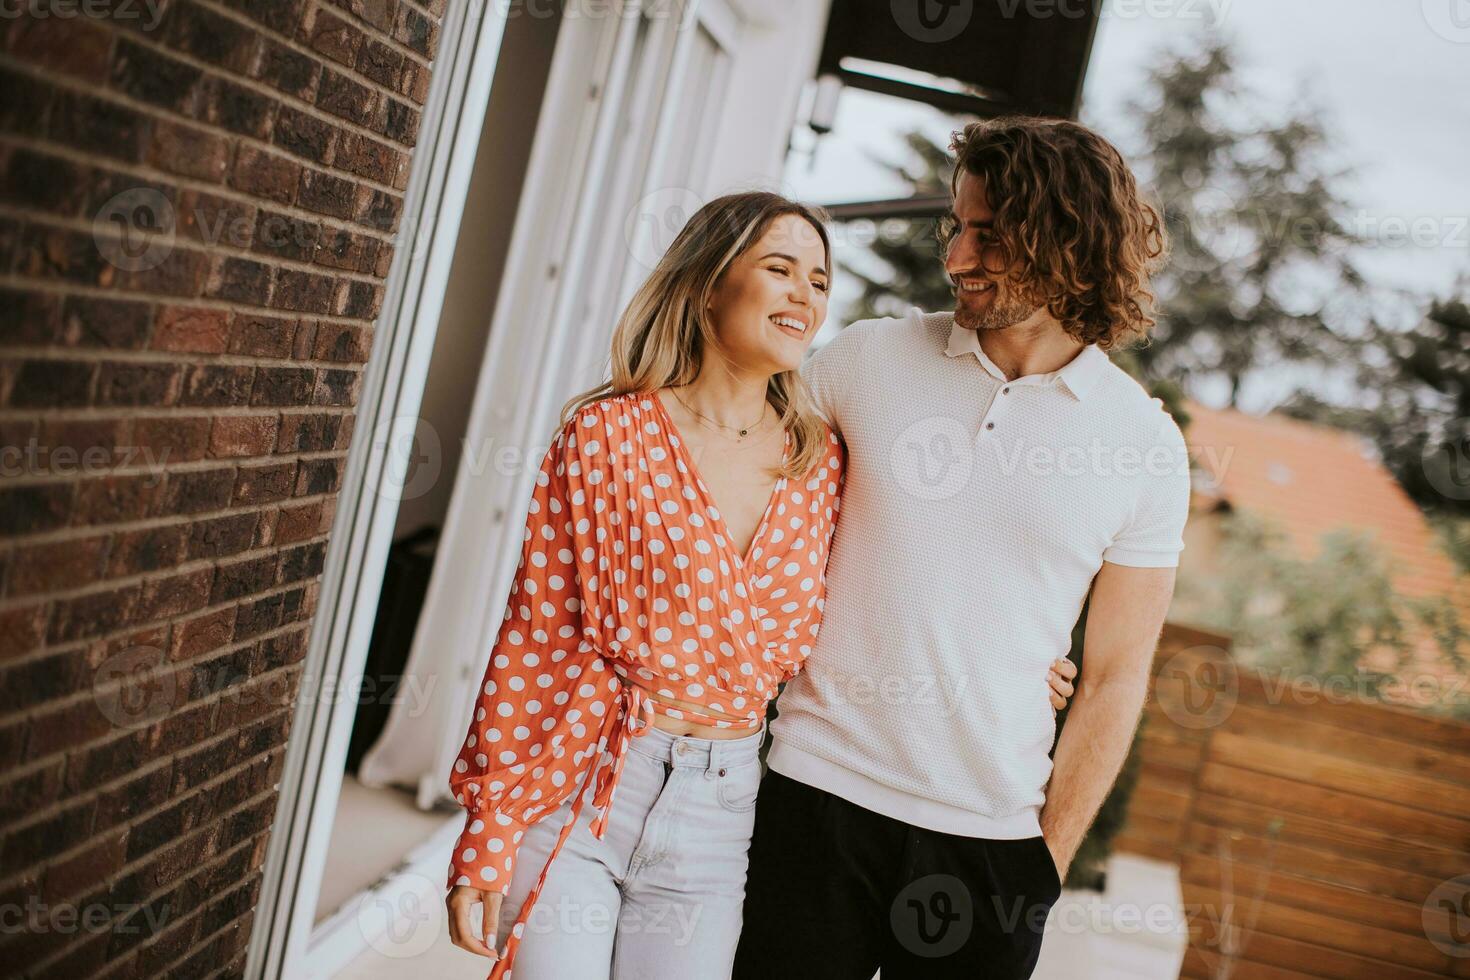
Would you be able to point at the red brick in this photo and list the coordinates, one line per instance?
(58, 565)
(182, 328)
(159, 441)
(188, 151)
(22, 628)
(255, 335)
(298, 523)
(243, 435)
(148, 550)
(265, 175)
(76, 46)
(195, 637)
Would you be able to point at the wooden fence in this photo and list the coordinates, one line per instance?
(1317, 834)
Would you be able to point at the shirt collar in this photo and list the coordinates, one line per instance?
(1079, 375)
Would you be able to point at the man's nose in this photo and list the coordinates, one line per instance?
(960, 257)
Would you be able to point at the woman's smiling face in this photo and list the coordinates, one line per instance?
(771, 301)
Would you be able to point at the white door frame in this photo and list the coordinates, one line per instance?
(393, 383)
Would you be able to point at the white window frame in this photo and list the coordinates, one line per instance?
(553, 237)
(393, 383)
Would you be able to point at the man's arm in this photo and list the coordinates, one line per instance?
(1124, 619)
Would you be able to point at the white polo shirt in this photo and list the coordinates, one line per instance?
(976, 513)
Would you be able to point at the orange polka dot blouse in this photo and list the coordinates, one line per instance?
(630, 594)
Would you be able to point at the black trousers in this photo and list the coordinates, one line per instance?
(837, 891)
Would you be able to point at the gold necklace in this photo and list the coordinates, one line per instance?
(728, 428)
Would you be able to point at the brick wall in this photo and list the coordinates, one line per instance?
(197, 206)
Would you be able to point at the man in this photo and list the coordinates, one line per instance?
(1001, 468)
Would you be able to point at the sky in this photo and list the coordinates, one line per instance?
(1388, 80)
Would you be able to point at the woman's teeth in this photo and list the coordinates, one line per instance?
(792, 322)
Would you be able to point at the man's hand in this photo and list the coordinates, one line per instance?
(1062, 868)
(461, 901)
(1125, 616)
(1060, 678)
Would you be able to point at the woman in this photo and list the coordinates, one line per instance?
(671, 579)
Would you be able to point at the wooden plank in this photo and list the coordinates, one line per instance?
(1129, 843)
(1320, 929)
(1181, 757)
(1334, 772)
(1159, 801)
(1283, 888)
(1309, 862)
(1375, 718)
(1443, 829)
(1268, 957)
(1179, 779)
(1329, 834)
(1145, 824)
(1285, 727)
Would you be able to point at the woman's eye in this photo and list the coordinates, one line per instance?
(820, 285)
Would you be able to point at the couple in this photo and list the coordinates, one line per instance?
(994, 469)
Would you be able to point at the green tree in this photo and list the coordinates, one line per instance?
(1317, 616)
(1259, 273)
(1414, 388)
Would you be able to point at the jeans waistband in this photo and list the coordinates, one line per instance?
(688, 751)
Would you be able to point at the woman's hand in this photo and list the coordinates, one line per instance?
(461, 901)
(1060, 678)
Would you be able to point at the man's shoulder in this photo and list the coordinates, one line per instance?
(892, 332)
(1143, 413)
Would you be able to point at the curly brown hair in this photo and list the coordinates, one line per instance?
(1069, 219)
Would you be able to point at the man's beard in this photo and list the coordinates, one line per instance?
(1006, 309)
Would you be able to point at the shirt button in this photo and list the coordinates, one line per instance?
(1005, 391)
(989, 425)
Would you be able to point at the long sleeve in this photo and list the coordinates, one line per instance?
(545, 698)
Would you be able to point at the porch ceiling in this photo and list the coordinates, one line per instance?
(1010, 55)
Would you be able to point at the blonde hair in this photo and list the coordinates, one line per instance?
(661, 337)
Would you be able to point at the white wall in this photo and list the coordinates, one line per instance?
(780, 43)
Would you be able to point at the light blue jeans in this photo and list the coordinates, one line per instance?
(661, 894)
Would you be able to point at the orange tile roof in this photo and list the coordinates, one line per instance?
(1310, 479)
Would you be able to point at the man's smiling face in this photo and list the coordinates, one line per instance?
(984, 299)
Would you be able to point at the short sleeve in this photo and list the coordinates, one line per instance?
(831, 371)
(1154, 537)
